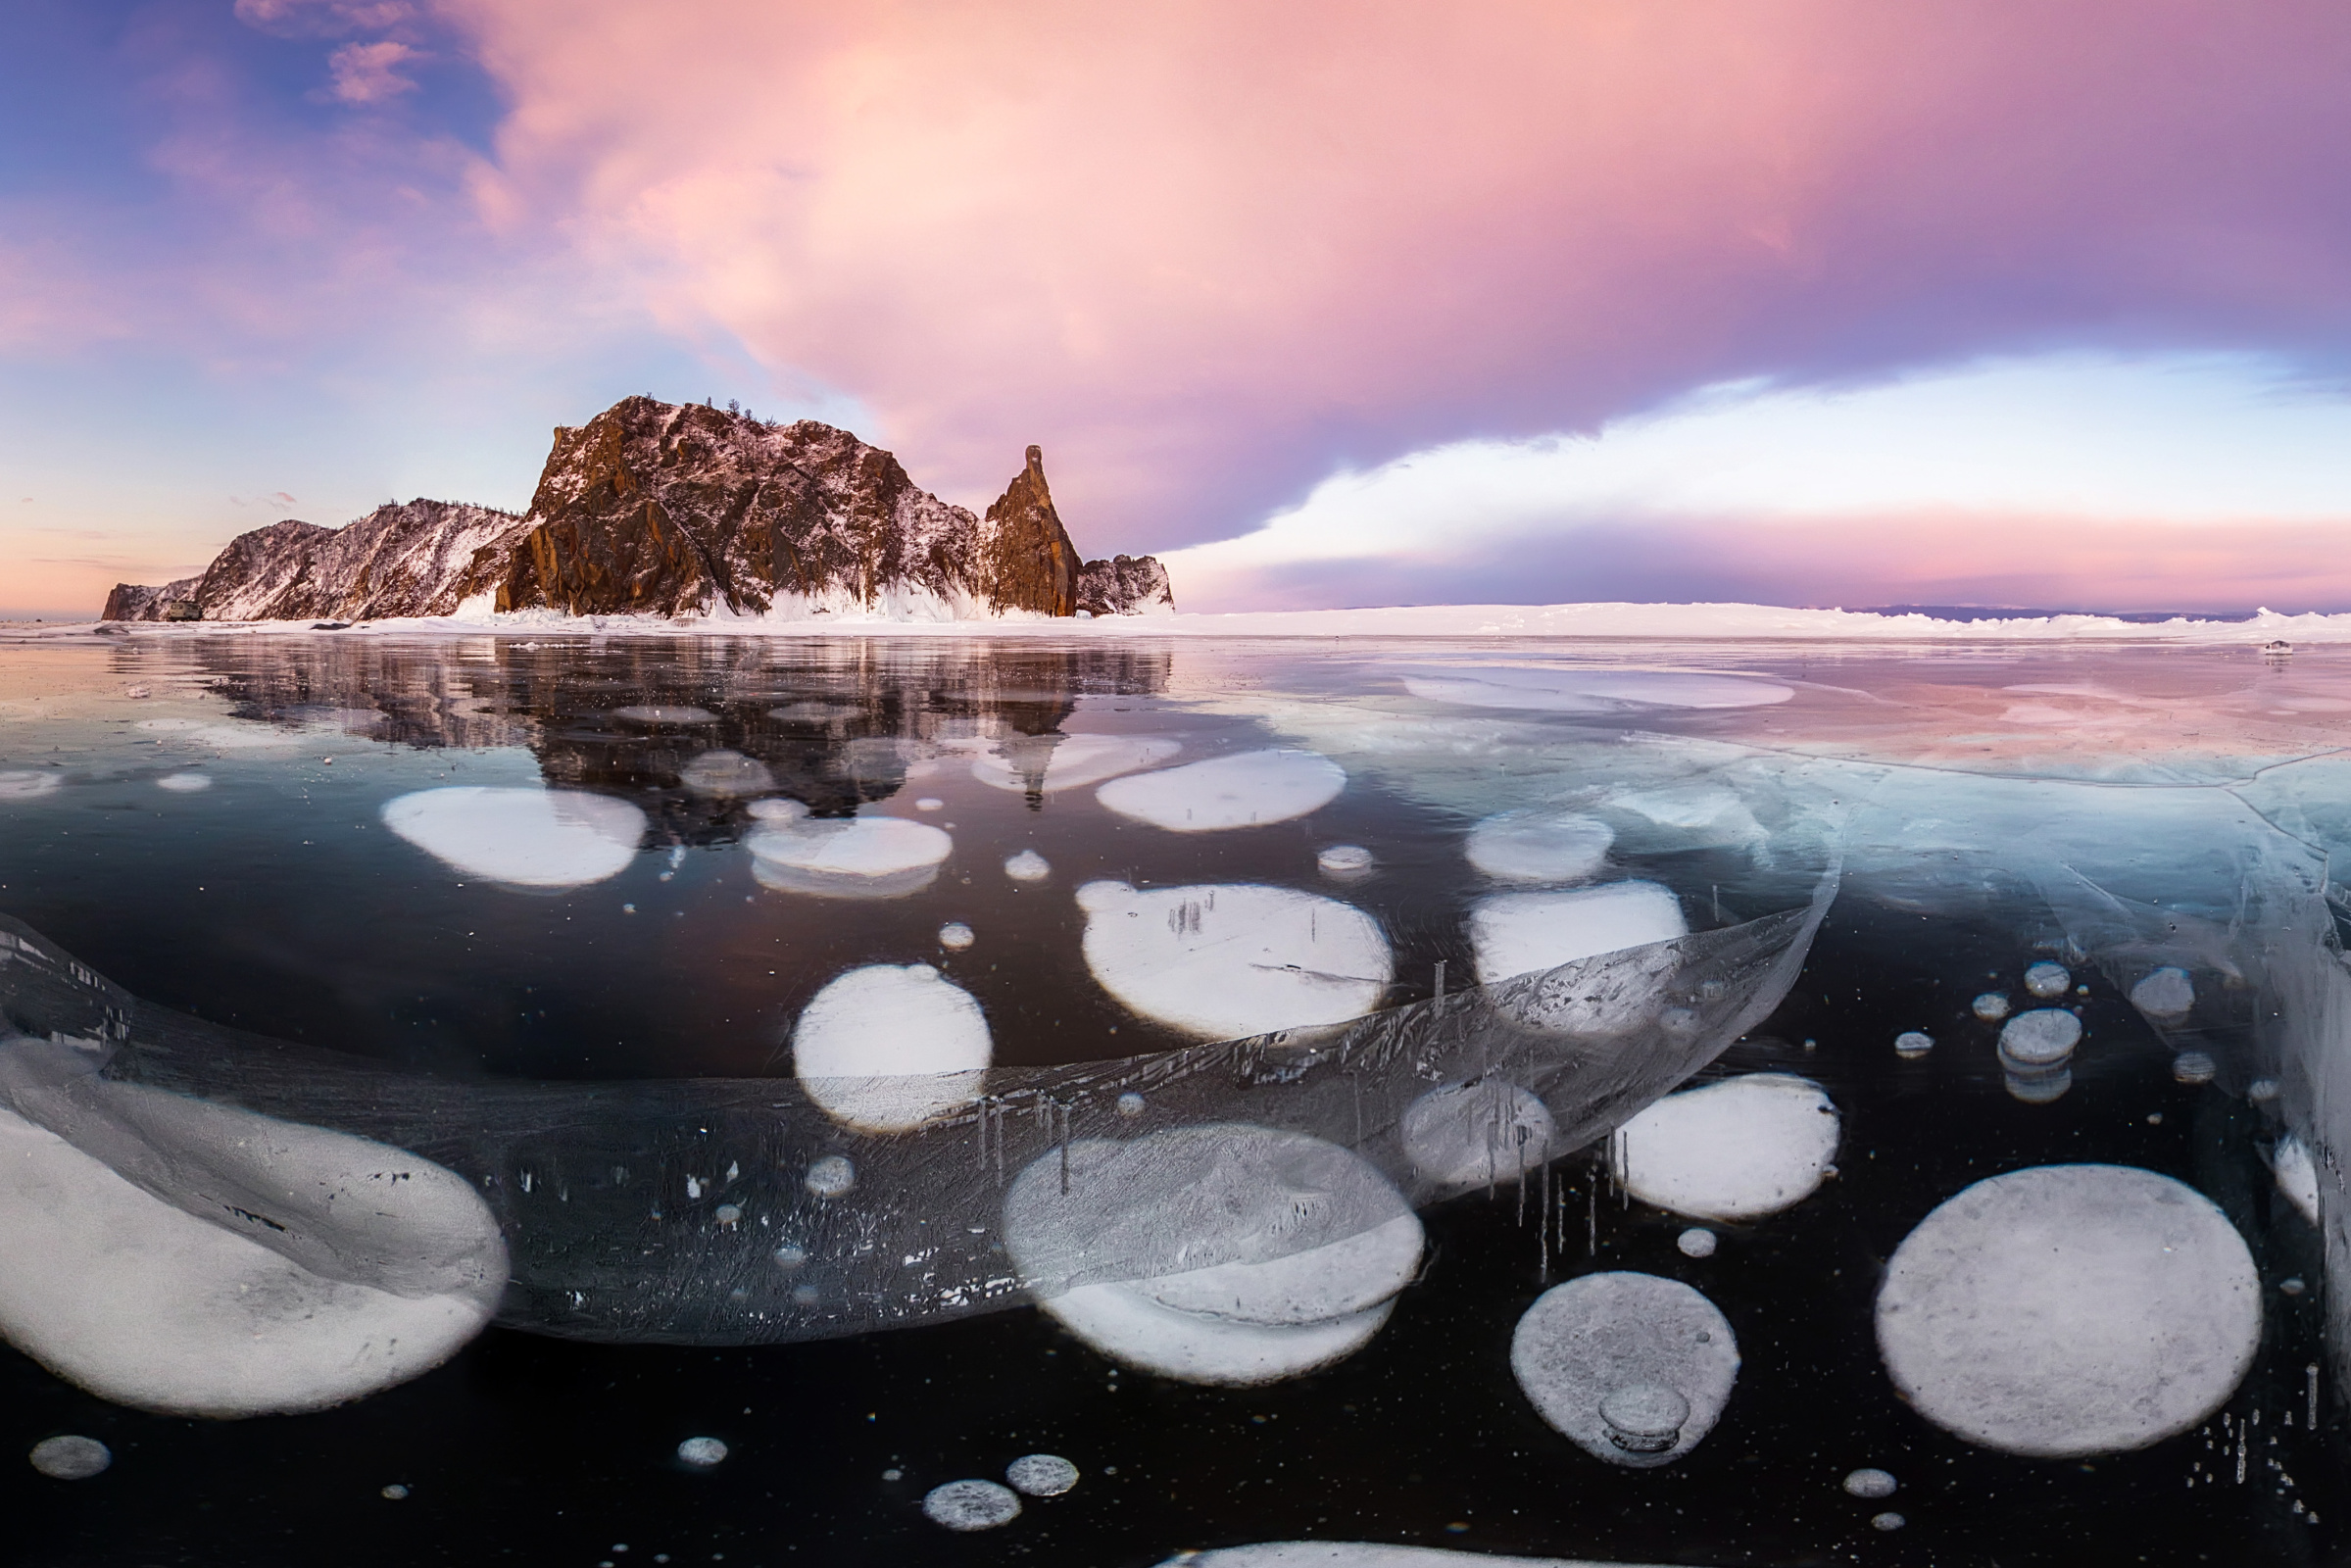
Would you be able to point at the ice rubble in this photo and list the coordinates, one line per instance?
(1519, 933)
(887, 1049)
(522, 837)
(1244, 790)
(1586, 689)
(1235, 959)
(843, 858)
(1736, 1150)
(1074, 761)
(1632, 1368)
(2067, 1310)
(1539, 846)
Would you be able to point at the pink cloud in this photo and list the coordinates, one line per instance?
(369, 72)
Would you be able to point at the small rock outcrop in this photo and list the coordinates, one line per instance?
(1125, 585)
(671, 510)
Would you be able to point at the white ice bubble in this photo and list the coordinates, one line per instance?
(2039, 1041)
(24, 783)
(885, 1049)
(1222, 961)
(1028, 866)
(2297, 1175)
(522, 837)
(654, 714)
(184, 783)
(1871, 1484)
(1344, 860)
(955, 936)
(1540, 847)
(1695, 1241)
(1736, 1150)
(1228, 792)
(1992, 1006)
(1913, 1043)
(930, 802)
(2195, 1067)
(832, 1176)
(2066, 1310)
(1520, 933)
(855, 858)
(71, 1459)
(725, 775)
(702, 1453)
(2045, 980)
(2166, 993)
(1569, 690)
(1476, 1134)
(1040, 1475)
(1633, 1368)
(1074, 761)
(1194, 1347)
(1889, 1521)
(967, 1506)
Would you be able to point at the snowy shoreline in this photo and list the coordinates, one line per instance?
(1614, 621)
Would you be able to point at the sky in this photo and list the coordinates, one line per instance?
(1808, 302)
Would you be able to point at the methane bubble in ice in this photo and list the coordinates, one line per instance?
(971, 1505)
(2046, 980)
(184, 783)
(1040, 1475)
(1911, 1043)
(2297, 1175)
(1888, 1520)
(1028, 866)
(522, 837)
(1226, 1254)
(1227, 792)
(1695, 1241)
(2165, 993)
(1519, 933)
(861, 856)
(1235, 959)
(955, 936)
(1074, 761)
(2039, 1041)
(1540, 847)
(336, 1267)
(1871, 1484)
(1590, 691)
(71, 1459)
(1992, 1006)
(1633, 1368)
(1476, 1134)
(654, 714)
(2066, 1310)
(2195, 1067)
(23, 784)
(884, 1048)
(1344, 860)
(702, 1453)
(726, 774)
(1734, 1149)
(831, 1177)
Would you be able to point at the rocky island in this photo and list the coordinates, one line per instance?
(663, 509)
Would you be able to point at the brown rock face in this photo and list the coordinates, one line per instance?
(1031, 564)
(418, 558)
(135, 602)
(1125, 585)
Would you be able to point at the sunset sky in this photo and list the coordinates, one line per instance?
(1796, 301)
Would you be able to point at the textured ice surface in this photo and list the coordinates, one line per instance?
(1539, 845)
(1573, 689)
(1235, 959)
(887, 1049)
(967, 1506)
(1736, 1150)
(1630, 1336)
(1048, 763)
(522, 837)
(1244, 790)
(2065, 1310)
(1040, 1475)
(1519, 933)
(853, 857)
(1476, 1134)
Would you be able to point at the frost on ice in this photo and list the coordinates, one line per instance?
(1047, 764)
(1244, 790)
(843, 858)
(1540, 847)
(2066, 1310)
(1736, 1150)
(1633, 1368)
(1519, 933)
(887, 1049)
(1234, 959)
(522, 837)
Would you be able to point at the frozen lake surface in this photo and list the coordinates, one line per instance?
(558, 1098)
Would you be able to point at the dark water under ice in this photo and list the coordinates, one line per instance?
(1969, 812)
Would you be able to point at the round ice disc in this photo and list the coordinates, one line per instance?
(1615, 1344)
(1734, 1149)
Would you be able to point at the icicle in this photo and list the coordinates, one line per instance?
(2311, 1373)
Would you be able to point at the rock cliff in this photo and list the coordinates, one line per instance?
(679, 509)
